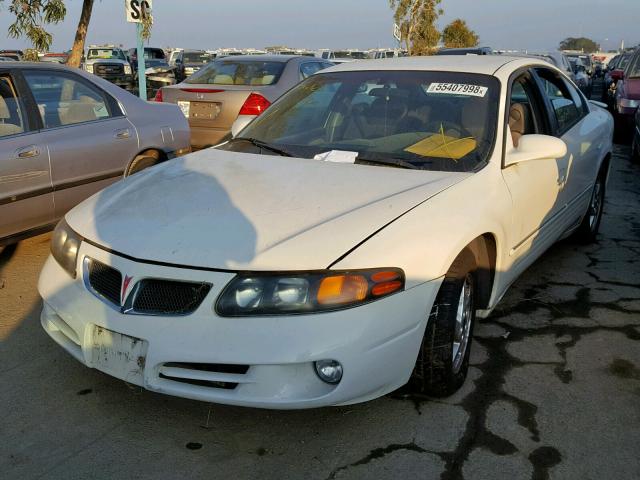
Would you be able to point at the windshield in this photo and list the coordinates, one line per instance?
(197, 57)
(426, 120)
(354, 55)
(105, 53)
(234, 72)
(153, 54)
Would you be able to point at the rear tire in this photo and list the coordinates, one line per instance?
(443, 360)
(144, 160)
(588, 229)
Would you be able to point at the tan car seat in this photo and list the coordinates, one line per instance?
(7, 128)
(223, 80)
(78, 111)
(517, 122)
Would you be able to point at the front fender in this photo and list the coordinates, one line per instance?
(425, 241)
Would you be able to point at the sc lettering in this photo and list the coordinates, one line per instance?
(138, 8)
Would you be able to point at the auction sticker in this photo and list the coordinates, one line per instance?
(458, 89)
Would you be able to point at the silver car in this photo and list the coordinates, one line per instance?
(66, 134)
(235, 88)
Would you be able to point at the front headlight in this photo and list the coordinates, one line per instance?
(65, 244)
(306, 292)
(628, 103)
(127, 69)
(88, 68)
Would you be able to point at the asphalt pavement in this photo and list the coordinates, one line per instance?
(553, 393)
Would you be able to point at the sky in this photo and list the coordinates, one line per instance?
(313, 24)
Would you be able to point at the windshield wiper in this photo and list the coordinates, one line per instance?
(264, 146)
(389, 162)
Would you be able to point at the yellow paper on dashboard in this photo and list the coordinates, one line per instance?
(443, 146)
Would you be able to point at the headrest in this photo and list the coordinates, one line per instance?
(517, 121)
(223, 79)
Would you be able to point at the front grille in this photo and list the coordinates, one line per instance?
(149, 296)
(187, 373)
(168, 297)
(105, 69)
(105, 281)
(202, 383)
(211, 367)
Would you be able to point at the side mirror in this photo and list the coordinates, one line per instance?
(536, 147)
(241, 122)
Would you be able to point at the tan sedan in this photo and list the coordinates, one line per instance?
(66, 134)
(238, 87)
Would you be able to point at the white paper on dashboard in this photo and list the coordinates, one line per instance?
(337, 156)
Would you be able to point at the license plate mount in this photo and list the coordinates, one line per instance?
(119, 355)
(185, 107)
(204, 110)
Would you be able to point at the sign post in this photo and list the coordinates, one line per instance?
(137, 11)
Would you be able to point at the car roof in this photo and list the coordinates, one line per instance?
(483, 64)
(261, 58)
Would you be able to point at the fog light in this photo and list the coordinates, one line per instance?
(329, 371)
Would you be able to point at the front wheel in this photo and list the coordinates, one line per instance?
(443, 359)
(588, 229)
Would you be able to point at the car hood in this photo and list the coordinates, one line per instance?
(237, 211)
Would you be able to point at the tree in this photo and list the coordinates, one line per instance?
(582, 44)
(75, 58)
(417, 21)
(458, 35)
(32, 16)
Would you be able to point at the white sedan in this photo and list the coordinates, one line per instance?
(342, 244)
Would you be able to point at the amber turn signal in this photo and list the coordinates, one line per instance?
(341, 289)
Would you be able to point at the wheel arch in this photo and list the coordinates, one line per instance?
(162, 156)
(484, 249)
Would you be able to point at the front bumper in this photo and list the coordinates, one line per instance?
(377, 343)
(124, 81)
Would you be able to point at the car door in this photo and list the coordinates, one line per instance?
(26, 198)
(533, 185)
(571, 121)
(89, 139)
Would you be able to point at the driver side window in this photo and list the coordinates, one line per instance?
(523, 109)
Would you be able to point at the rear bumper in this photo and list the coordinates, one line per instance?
(206, 136)
(377, 343)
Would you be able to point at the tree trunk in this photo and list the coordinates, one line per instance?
(81, 34)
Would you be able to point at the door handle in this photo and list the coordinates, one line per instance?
(124, 133)
(28, 152)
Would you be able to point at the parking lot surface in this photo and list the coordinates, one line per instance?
(554, 390)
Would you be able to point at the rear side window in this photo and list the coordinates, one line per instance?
(567, 108)
(65, 100)
(308, 69)
(12, 118)
(233, 72)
